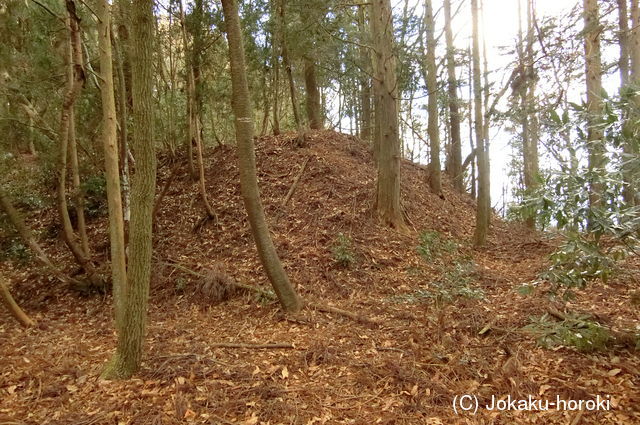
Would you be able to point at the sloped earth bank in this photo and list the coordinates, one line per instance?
(429, 348)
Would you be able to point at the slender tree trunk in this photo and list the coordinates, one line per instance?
(286, 60)
(483, 204)
(111, 162)
(623, 41)
(385, 89)
(454, 114)
(128, 355)
(193, 110)
(314, 109)
(432, 88)
(123, 112)
(287, 295)
(78, 195)
(13, 306)
(595, 143)
(275, 58)
(365, 79)
(74, 85)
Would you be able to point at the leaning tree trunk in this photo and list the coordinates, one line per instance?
(246, 155)
(128, 356)
(483, 204)
(13, 306)
(432, 88)
(454, 114)
(27, 237)
(111, 160)
(385, 88)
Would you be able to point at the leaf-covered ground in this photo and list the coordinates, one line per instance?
(451, 318)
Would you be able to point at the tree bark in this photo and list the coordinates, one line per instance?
(128, 355)
(385, 89)
(13, 306)
(593, 70)
(454, 114)
(78, 196)
(314, 109)
(365, 79)
(111, 164)
(483, 210)
(193, 111)
(630, 149)
(246, 156)
(75, 81)
(432, 88)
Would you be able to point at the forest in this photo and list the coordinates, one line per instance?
(262, 212)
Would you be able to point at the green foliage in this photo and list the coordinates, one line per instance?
(456, 282)
(343, 251)
(580, 332)
(13, 249)
(433, 244)
(579, 260)
(94, 189)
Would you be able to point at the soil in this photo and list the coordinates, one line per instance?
(451, 321)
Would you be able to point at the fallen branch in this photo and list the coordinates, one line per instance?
(252, 346)
(317, 306)
(293, 187)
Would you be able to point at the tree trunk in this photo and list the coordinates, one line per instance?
(595, 143)
(193, 110)
(623, 41)
(122, 114)
(246, 156)
(630, 149)
(527, 103)
(111, 163)
(365, 80)
(385, 88)
(432, 88)
(78, 196)
(128, 355)
(13, 306)
(454, 114)
(483, 204)
(314, 109)
(286, 60)
(75, 81)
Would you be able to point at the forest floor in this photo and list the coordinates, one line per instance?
(450, 319)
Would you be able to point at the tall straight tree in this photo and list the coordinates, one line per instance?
(386, 113)
(630, 192)
(454, 114)
(112, 171)
(128, 355)
(593, 72)
(432, 88)
(287, 295)
(365, 75)
(483, 211)
(527, 101)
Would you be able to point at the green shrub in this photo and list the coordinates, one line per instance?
(432, 245)
(580, 332)
(94, 189)
(14, 249)
(342, 251)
